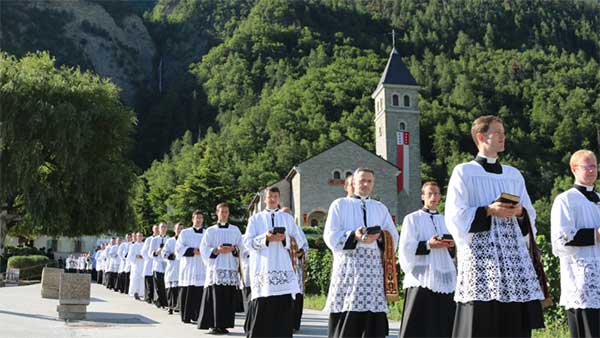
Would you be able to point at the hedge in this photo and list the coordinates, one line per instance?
(30, 266)
(11, 250)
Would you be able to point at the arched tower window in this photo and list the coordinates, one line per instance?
(406, 101)
(401, 125)
(395, 100)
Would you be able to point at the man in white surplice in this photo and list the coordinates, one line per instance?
(272, 277)
(576, 241)
(356, 301)
(136, 262)
(172, 269)
(497, 289)
(429, 271)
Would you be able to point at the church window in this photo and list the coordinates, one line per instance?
(336, 175)
(406, 101)
(401, 126)
(395, 100)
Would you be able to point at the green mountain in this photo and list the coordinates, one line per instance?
(262, 84)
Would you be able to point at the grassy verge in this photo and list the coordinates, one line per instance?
(317, 302)
(555, 330)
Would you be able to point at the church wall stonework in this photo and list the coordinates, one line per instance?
(315, 175)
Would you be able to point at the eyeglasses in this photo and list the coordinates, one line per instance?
(587, 167)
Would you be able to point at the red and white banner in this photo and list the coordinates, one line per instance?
(402, 156)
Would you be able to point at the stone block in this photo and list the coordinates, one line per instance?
(71, 315)
(74, 289)
(51, 282)
(72, 308)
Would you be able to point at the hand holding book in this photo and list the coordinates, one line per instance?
(505, 205)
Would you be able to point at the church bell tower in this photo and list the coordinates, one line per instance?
(397, 130)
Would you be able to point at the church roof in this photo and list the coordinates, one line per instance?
(358, 147)
(396, 72)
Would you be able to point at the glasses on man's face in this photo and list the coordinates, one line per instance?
(590, 167)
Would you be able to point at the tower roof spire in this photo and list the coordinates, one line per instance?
(396, 71)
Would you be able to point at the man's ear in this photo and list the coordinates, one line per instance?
(480, 137)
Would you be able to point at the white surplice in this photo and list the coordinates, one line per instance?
(357, 275)
(435, 270)
(271, 271)
(136, 262)
(191, 268)
(172, 265)
(579, 265)
(494, 264)
(224, 268)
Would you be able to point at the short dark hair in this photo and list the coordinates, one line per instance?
(273, 190)
(482, 125)
(197, 212)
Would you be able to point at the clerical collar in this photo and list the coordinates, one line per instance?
(271, 210)
(360, 197)
(583, 186)
(490, 165)
(198, 231)
(222, 226)
(591, 195)
(429, 211)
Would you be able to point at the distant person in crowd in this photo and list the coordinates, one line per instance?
(100, 263)
(356, 301)
(191, 268)
(490, 216)
(122, 275)
(299, 261)
(113, 262)
(429, 271)
(272, 276)
(159, 265)
(148, 260)
(348, 188)
(575, 221)
(135, 257)
(172, 269)
(220, 249)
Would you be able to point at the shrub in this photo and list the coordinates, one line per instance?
(318, 271)
(30, 266)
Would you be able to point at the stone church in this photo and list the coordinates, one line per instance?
(310, 186)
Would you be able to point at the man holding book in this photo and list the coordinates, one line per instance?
(425, 255)
(575, 237)
(497, 288)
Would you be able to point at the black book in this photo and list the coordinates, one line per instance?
(278, 230)
(508, 198)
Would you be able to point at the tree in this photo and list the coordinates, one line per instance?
(64, 140)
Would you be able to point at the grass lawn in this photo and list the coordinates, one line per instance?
(557, 330)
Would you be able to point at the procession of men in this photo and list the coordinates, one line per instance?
(468, 273)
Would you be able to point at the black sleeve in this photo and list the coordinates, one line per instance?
(452, 252)
(171, 257)
(524, 222)
(189, 252)
(381, 242)
(583, 237)
(213, 255)
(350, 242)
(422, 248)
(481, 222)
(235, 252)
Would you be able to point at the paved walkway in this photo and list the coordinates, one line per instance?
(24, 314)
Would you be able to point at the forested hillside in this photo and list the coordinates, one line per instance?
(261, 85)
